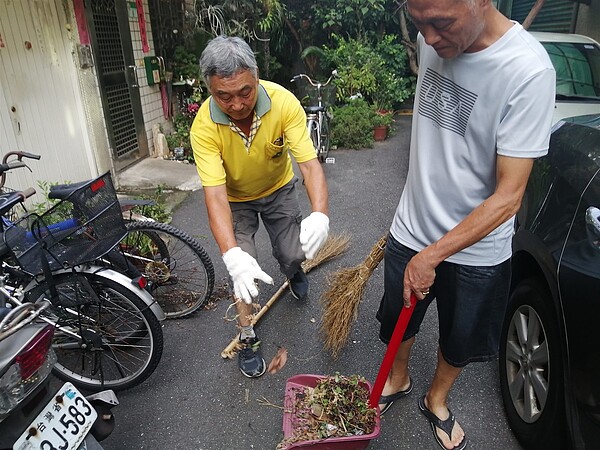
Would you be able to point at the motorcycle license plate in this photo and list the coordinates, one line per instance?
(62, 424)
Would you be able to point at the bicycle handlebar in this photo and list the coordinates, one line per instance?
(28, 192)
(6, 166)
(11, 165)
(333, 75)
(21, 315)
(20, 156)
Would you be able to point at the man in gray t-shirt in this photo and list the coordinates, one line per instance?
(483, 111)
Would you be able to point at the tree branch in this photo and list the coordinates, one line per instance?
(411, 47)
(295, 34)
(535, 9)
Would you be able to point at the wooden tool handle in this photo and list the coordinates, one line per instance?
(230, 350)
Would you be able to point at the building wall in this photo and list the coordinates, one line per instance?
(41, 110)
(50, 101)
(150, 95)
(588, 20)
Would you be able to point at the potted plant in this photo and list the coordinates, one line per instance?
(179, 139)
(381, 120)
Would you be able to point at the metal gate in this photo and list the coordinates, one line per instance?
(555, 15)
(111, 42)
(167, 19)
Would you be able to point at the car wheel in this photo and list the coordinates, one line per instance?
(531, 368)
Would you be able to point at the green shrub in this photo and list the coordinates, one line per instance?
(185, 65)
(352, 125)
(62, 210)
(180, 137)
(157, 211)
(378, 71)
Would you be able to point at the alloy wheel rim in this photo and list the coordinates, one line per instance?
(527, 363)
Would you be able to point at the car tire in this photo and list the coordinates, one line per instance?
(531, 368)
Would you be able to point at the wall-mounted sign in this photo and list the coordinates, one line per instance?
(142, 23)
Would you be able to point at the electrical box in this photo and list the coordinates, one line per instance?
(152, 69)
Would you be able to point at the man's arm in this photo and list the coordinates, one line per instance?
(512, 175)
(219, 216)
(315, 228)
(242, 267)
(316, 186)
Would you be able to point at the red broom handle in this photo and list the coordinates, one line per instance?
(392, 349)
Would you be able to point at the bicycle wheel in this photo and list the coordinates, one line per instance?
(106, 336)
(325, 138)
(313, 132)
(180, 273)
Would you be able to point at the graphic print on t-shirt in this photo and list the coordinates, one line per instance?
(446, 103)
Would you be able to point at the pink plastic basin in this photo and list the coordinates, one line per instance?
(297, 384)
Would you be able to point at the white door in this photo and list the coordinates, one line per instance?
(40, 102)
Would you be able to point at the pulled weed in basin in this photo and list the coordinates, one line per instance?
(338, 406)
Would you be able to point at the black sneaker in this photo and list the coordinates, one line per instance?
(299, 285)
(250, 358)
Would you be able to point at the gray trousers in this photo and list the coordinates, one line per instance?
(281, 216)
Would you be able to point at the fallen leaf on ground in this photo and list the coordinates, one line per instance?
(278, 361)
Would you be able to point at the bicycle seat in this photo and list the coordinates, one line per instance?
(10, 200)
(62, 191)
(314, 109)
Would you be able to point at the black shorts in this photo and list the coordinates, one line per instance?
(471, 302)
(281, 216)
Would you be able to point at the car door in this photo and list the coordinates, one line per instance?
(579, 287)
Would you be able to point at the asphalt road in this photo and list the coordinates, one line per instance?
(197, 400)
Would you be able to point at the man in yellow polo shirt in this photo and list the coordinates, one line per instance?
(242, 139)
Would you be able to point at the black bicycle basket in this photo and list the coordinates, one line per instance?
(309, 95)
(80, 229)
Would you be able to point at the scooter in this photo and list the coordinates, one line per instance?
(32, 415)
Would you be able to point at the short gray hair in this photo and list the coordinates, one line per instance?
(224, 56)
(471, 4)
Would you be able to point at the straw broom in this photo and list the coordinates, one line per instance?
(334, 246)
(341, 300)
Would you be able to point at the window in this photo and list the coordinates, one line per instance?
(577, 68)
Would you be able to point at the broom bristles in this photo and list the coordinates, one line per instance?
(342, 299)
(334, 246)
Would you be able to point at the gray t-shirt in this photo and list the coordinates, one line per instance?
(468, 110)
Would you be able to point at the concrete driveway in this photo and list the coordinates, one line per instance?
(197, 400)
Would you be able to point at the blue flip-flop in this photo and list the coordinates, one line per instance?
(445, 425)
(389, 400)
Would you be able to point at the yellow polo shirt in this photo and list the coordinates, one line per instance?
(255, 171)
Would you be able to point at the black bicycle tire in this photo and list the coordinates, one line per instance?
(325, 138)
(133, 312)
(153, 231)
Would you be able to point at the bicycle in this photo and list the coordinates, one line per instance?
(107, 327)
(179, 272)
(318, 114)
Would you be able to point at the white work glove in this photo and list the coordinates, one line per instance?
(243, 270)
(313, 233)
